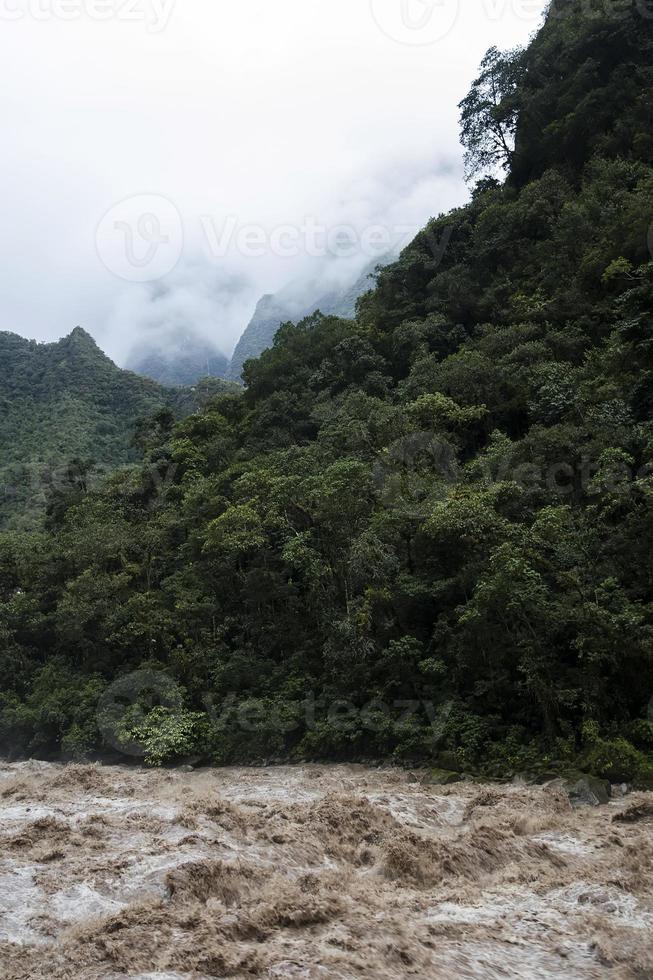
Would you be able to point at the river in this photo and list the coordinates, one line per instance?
(315, 872)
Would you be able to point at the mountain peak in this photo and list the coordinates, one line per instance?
(79, 336)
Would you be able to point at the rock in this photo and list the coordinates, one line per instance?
(547, 776)
(186, 769)
(584, 789)
(446, 760)
(621, 789)
(441, 777)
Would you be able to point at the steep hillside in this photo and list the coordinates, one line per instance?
(271, 311)
(587, 89)
(60, 402)
(290, 304)
(423, 533)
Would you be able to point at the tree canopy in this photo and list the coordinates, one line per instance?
(422, 533)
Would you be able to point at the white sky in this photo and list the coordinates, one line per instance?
(244, 112)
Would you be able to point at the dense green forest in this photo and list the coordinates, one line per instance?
(424, 533)
(68, 416)
(60, 403)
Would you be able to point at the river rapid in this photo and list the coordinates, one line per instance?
(315, 872)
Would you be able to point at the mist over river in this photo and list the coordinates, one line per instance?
(315, 872)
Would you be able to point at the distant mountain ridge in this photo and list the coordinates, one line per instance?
(274, 309)
(177, 357)
(67, 400)
(182, 356)
(60, 401)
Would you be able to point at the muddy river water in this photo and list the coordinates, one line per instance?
(315, 872)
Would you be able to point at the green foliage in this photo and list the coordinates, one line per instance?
(424, 532)
(490, 112)
(615, 758)
(164, 734)
(68, 415)
(60, 709)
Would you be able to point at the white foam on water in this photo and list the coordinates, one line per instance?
(565, 843)
(526, 913)
(81, 902)
(21, 900)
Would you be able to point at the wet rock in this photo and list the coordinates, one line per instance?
(541, 778)
(583, 789)
(621, 789)
(441, 777)
(446, 760)
(186, 769)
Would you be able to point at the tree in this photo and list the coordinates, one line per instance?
(447, 501)
(489, 112)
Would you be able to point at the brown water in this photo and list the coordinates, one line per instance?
(315, 872)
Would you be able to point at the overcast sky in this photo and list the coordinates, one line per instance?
(169, 161)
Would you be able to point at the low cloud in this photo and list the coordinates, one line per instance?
(261, 114)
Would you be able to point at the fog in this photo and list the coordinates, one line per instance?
(169, 161)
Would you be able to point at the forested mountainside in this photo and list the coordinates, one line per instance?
(60, 402)
(177, 357)
(423, 533)
(69, 416)
(290, 305)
